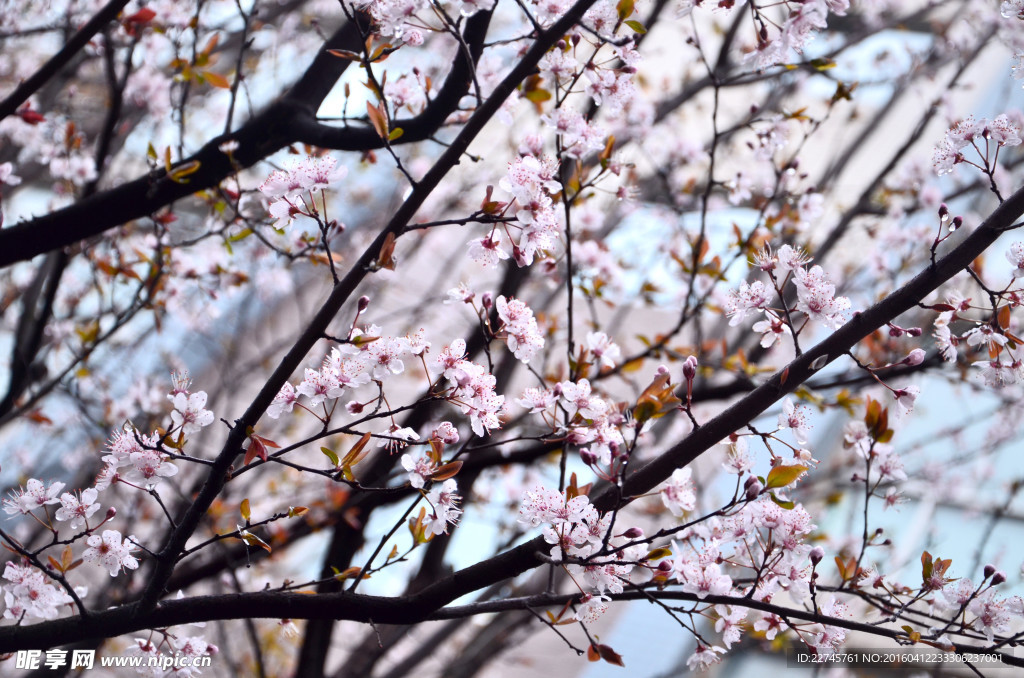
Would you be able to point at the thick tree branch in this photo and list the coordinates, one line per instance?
(290, 120)
(79, 40)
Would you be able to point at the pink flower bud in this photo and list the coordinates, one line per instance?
(588, 457)
(989, 570)
(690, 368)
(998, 578)
(817, 553)
(364, 302)
(633, 533)
(915, 357)
(111, 512)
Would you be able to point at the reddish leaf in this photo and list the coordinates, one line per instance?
(256, 449)
(143, 16)
(610, 655)
(357, 453)
(447, 471)
(378, 119)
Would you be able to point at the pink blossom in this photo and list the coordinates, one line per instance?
(284, 401)
(678, 494)
(189, 413)
(34, 495)
(110, 552)
(524, 337)
(590, 608)
(603, 348)
(445, 503)
(794, 417)
(77, 509)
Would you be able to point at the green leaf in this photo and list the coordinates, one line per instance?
(636, 26)
(781, 476)
(538, 95)
(788, 505)
(331, 454)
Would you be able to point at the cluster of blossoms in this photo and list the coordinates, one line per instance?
(1002, 368)
(529, 180)
(816, 295)
(761, 537)
(520, 327)
(472, 387)
(803, 21)
(31, 595)
(34, 495)
(970, 132)
(132, 457)
(143, 456)
(576, 530)
(991, 613)
(367, 356)
(597, 426)
(290, 193)
(578, 136)
(50, 142)
(400, 18)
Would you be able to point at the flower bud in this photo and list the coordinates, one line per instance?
(914, 331)
(111, 512)
(915, 357)
(588, 457)
(633, 533)
(364, 302)
(989, 570)
(486, 300)
(690, 368)
(753, 490)
(664, 566)
(943, 211)
(817, 553)
(957, 223)
(998, 578)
